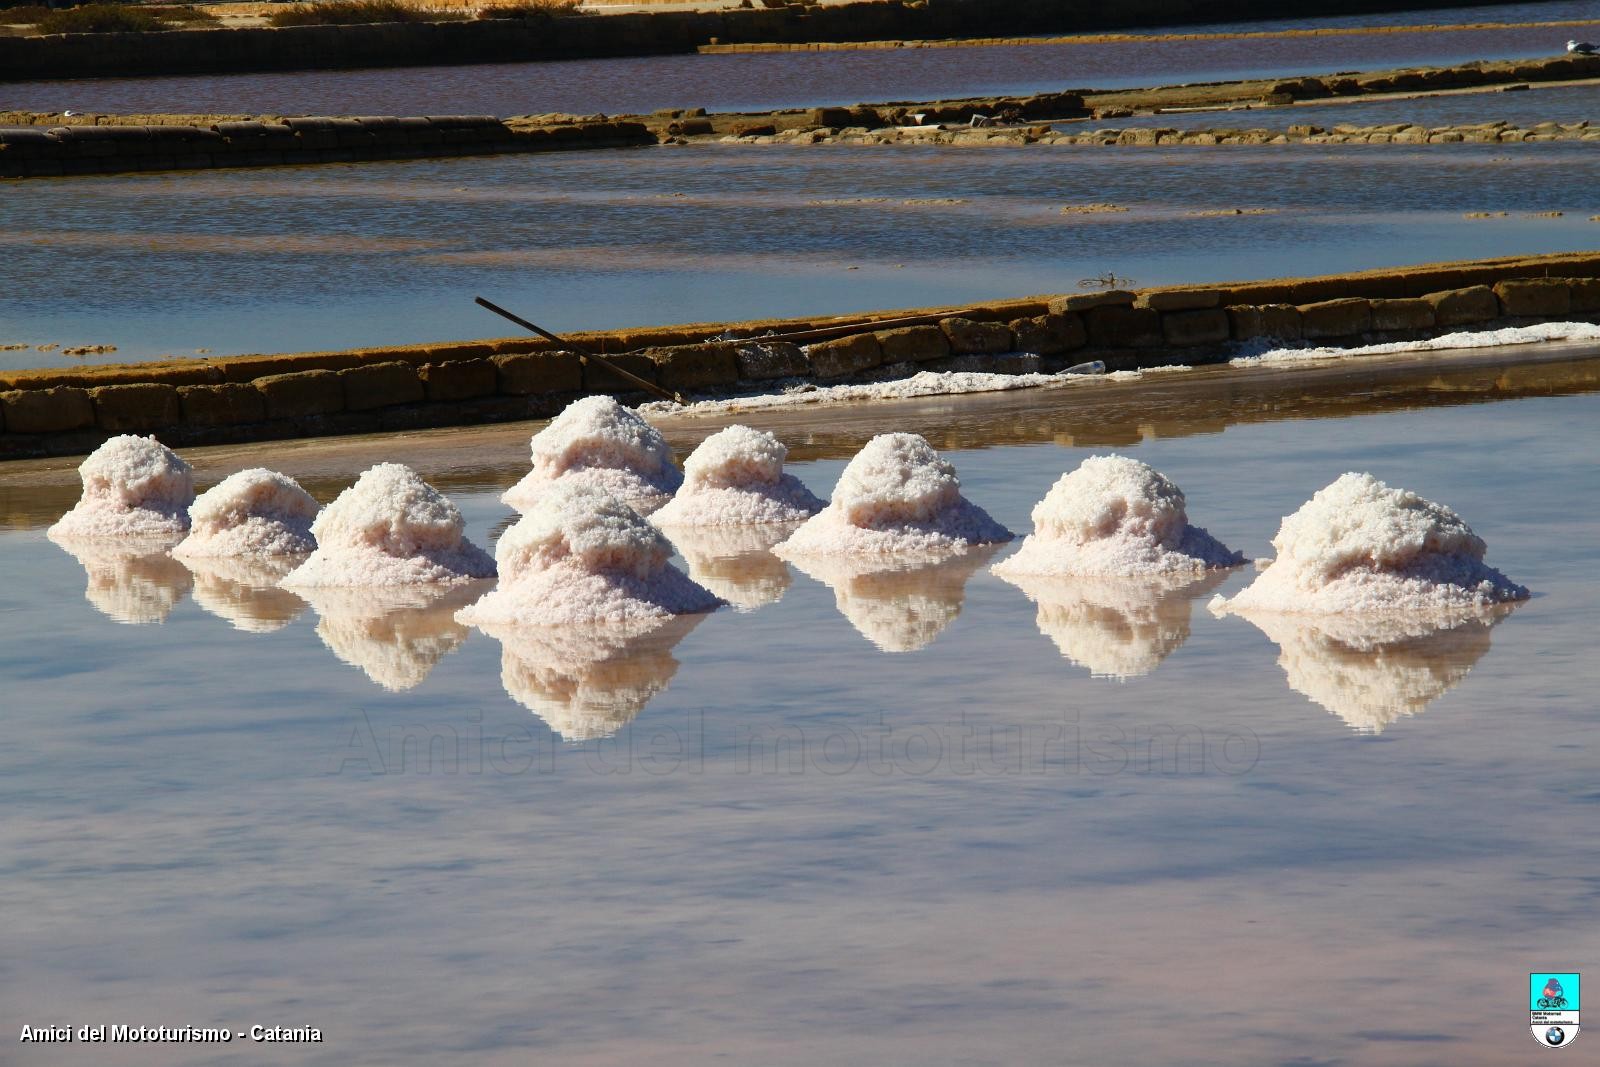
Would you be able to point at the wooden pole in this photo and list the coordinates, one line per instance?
(584, 354)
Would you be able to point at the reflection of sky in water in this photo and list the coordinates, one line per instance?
(179, 846)
(394, 253)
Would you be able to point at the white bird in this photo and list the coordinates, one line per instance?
(1582, 48)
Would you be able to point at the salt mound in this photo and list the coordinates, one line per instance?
(255, 512)
(898, 605)
(736, 562)
(390, 528)
(243, 590)
(132, 582)
(598, 443)
(395, 635)
(896, 496)
(580, 555)
(1116, 627)
(735, 478)
(588, 680)
(132, 487)
(1372, 670)
(1360, 546)
(1114, 516)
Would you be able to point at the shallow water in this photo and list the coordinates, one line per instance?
(162, 265)
(198, 833)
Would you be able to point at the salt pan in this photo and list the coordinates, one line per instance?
(897, 496)
(390, 528)
(1360, 546)
(133, 487)
(900, 605)
(735, 478)
(255, 513)
(1115, 516)
(598, 443)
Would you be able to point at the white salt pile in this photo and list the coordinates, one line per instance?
(581, 555)
(133, 487)
(598, 443)
(1371, 670)
(1116, 627)
(896, 605)
(1510, 335)
(1360, 546)
(1115, 517)
(390, 528)
(897, 496)
(736, 562)
(588, 680)
(253, 513)
(133, 582)
(395, 635)
(243, 590)
(735, 478)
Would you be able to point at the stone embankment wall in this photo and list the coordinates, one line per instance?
(244, 398)
(166, 142)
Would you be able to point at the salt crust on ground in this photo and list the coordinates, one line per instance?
(1510, 335)
(579, 555)
(133, 487)
(736, 562)
(395, 635)
(1116, 627)
(131, 581)
(254, 512)
(588, 680)
(243, 590)
(390, 528)
(896, 497)
(902, 604)
(735, 478)
(1359, 546)
(598, 443)
(1115, 517)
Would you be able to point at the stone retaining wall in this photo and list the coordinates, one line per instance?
(230, 399)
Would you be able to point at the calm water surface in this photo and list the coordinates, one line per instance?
(210, 819)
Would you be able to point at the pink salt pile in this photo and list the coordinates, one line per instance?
(254, 513)
(896, 497)
(580, 555)
(599, 444)
(1115, 517)
(133, 488)
(390, 528)
(735, 478)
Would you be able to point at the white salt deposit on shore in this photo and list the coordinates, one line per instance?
(390, 528)
(1116, 627)
(581, 555)
(896, 497)
(589, 680)
(1115, 517)
(599, 444)
(130, 581)
(1358, 546)
(254, 512)
(133, 487)
(243, 590)
(736, 562)
(735, 478)
(1509, 335)
(897, 604)
(395, 635)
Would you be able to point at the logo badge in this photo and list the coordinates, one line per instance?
(1553, 998)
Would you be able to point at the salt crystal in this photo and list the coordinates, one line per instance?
(735, 478)
(133, 487)
(254, 512)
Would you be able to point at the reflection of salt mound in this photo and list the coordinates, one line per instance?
(736, 562)
(588, 680)
(598, 443)
(1116, 627)
(393, 634)
(583, 556)
(1371, 670)
(898, 605)
(390, 528)
(1360, 546)
(252, 513)
(735, 478)
(896, 496)
(244, 590)
(1115, 516)
(131, 581)
(132, 487)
